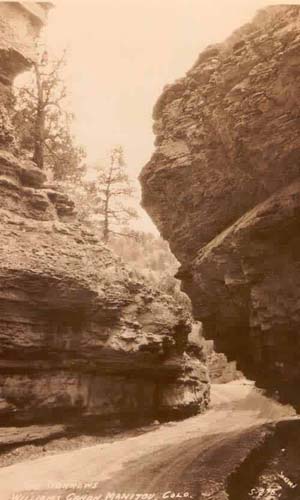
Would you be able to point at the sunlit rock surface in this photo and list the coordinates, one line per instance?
(223, 188)
(77, 331)
(80, 338)
(221, 371)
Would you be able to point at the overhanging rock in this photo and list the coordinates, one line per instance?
(223, 188)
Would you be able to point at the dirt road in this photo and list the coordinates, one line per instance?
(192, 458)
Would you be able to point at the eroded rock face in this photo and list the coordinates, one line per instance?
(20, 23)
(80, 338)
(221, 371)
(77, 332)
(223, 188)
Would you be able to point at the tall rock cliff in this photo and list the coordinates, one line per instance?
(80, 338)
(223, 187)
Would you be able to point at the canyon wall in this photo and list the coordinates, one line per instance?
(80, 338)
(223, 187)
(221, 371)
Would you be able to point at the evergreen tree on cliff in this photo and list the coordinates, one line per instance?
(107, 198)
(43, 121)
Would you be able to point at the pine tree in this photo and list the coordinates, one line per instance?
(108, 195)
(43, 121)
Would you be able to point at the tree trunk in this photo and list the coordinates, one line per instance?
(106, 202)
(38, 154)
(106, 228)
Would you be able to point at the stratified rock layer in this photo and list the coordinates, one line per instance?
(223, 188)
(80, 338)
(78, 335)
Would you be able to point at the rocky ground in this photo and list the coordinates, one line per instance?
(200, 457)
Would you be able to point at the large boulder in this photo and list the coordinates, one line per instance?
(223, 188)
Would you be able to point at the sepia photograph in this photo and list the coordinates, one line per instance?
(150, 250)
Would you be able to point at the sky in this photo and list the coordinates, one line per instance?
(121, 55)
